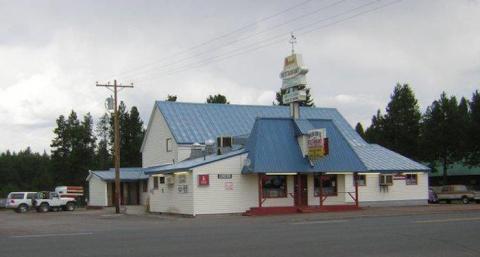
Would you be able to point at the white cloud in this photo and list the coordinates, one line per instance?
(50, 62)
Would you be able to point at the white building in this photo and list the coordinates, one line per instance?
(268, 159)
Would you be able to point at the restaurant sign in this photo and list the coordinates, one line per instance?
(317, 144)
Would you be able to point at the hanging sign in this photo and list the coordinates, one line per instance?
(224, 176)
(317, 144)
(203, 180)
(293, 74)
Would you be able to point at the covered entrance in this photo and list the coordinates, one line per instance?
(301, 190)
(129, 194)
(284, 193)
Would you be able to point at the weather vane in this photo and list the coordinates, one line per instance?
(293, 41)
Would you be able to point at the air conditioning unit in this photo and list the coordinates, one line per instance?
(224, 144)
(170, 180)
(386, 179)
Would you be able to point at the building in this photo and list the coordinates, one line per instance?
(217, 158)
(458, 174)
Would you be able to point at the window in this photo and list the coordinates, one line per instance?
(145, 186)
(274, 186)
(329, 185)
(155, 182)
(169, 144)
(31, 196)
(182, 179)
(411, 179)
(362, 180)
(162, 180)
(16, 196)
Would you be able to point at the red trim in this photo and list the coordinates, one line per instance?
(260, 191)
(355, 178)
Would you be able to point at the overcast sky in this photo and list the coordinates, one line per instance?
(53, 52)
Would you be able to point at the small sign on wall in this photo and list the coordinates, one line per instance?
(224, 176)
(228, 185)
(203, 180)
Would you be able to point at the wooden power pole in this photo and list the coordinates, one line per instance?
(116, 143)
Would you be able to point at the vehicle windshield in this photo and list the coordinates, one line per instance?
(16, 196)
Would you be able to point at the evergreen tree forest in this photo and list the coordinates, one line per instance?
(78, 146)
(446, 133)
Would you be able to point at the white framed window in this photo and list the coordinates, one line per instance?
(168, 145)
(411, 179)
(362, 180)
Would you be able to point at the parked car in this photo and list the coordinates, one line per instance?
(432, 196)
(51, 201)
(456, 192)
(20, 201)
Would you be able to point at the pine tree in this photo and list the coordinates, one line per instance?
(217, 99)
(134, 139)
(473, 131)
(374, 133)
(441, 133)
(308, 102)
(359, 129)
(172, 98)
(103, 154)
(402, 122)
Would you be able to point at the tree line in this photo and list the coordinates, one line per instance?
(78, 146)
(446, 133)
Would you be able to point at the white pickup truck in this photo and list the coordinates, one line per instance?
(51, 201)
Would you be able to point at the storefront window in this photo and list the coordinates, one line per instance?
(411, 179)
(274, 186)
(362, 180)
(329, 185)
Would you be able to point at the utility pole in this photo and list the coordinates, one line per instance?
(116, 143)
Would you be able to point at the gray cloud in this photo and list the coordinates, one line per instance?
(54, 51)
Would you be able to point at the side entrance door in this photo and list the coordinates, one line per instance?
(301, 190)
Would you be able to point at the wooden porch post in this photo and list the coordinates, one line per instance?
(260, 190)
(320, 193)
(355, 177)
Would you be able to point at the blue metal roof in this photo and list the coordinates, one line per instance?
(126, 174)
(187, 165)
(273, 147)
(378, 158)
(196, 122)
(302, 126)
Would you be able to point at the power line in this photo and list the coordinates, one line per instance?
(219, 37)
(235, 41)
(272, 41)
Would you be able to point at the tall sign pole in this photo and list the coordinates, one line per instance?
(116, 143)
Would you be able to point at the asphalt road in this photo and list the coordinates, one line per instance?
(98, 234)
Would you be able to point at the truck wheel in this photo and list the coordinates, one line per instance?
(70, 206)
(43, 207)
(22, 208)
(465, 200)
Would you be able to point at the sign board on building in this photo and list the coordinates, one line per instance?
(203, 180)
(293, 74)
(293, 95)
(228, 185)
(317, 144)
(224, 176)
(182, 189)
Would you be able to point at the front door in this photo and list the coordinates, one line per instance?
(301, 190)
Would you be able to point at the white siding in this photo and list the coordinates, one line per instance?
(399, 191)
(167, 199)
(97, 192)
(144, 196)
(154, 149)
(217, 196)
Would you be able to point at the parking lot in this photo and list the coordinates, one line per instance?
(439, 230)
